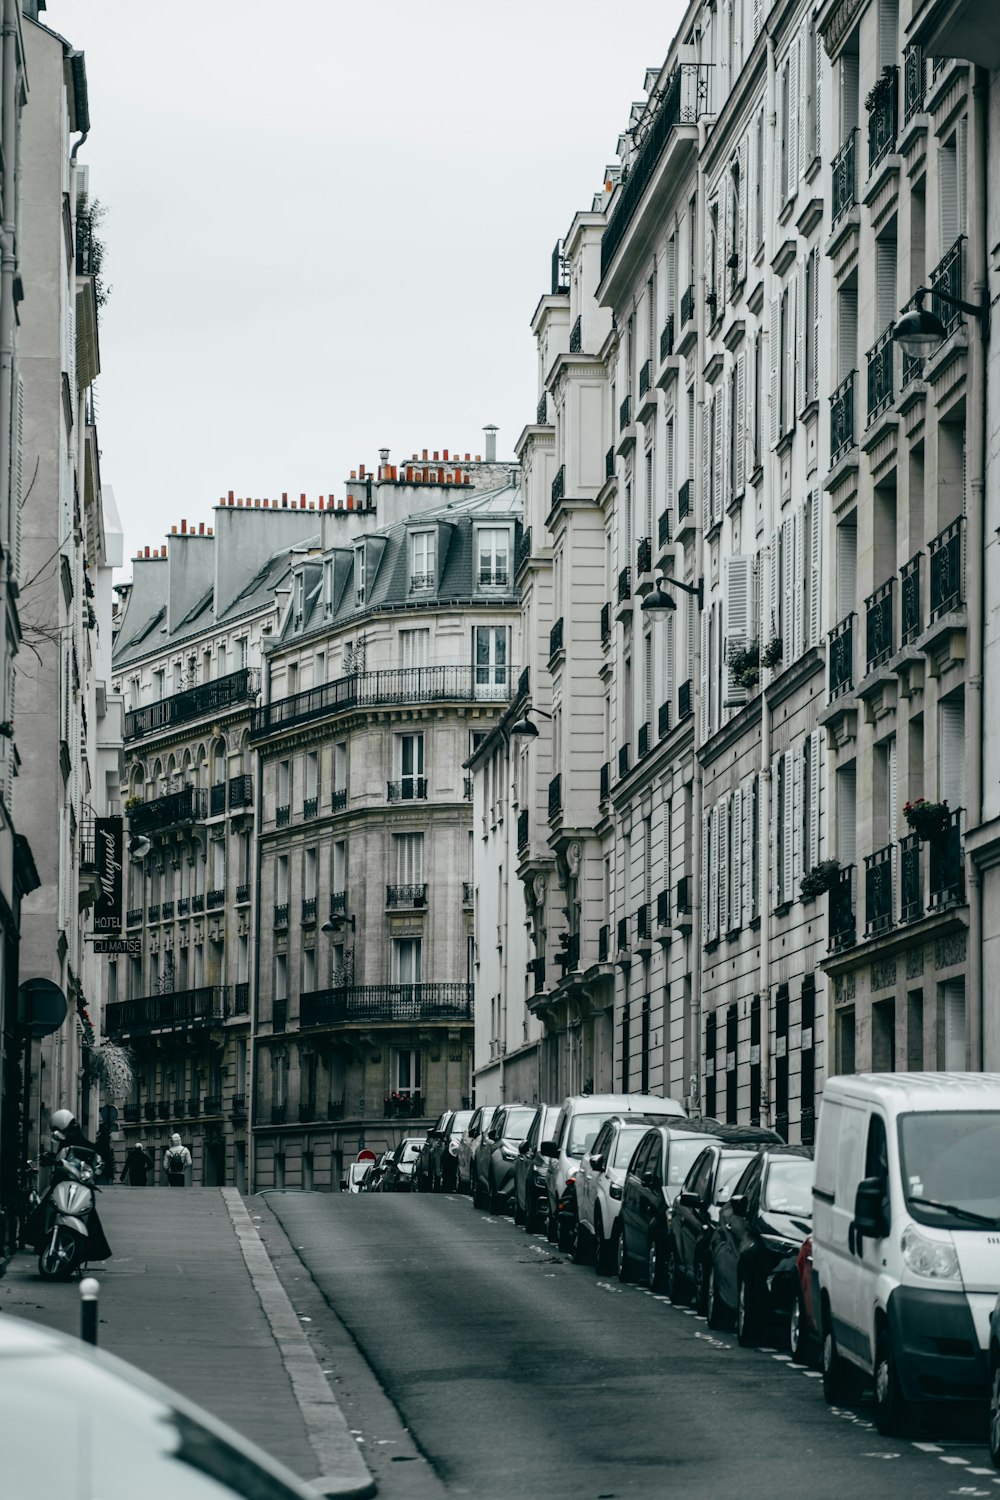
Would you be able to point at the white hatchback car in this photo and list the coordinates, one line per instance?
(599, 1179)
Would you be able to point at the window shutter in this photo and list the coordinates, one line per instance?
(799, 582)
(814, 325)
(706, 461)
(794, 122)
(789, 381)
(736, 863)
(746, 848)
(798, 776)
(706, 860)
(801, 395)
(722, 864)
(847, 569)
(788, 825)
(802, 124)
(773, 368)
(962, 139)
(737, 606)
(668, 664)
(951, 752)
(721, 217)
(726, 239)
(773, 590)
(691, 613)
(786, 553)
(817, 143)
(815, 570)
(703, 678)
(892, 818)
(757, 7)
(776, 831)
(17, 469)
(744, 204)
(815, 780)
(953, 996)
(719, 464)
(885, 283)
(739, 419)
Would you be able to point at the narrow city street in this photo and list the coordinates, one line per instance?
(518, 1373)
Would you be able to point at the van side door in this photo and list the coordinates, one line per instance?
(839, 1265)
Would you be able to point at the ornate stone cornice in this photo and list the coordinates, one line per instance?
(837, 22)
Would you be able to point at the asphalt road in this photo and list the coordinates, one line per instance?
(518, 1374)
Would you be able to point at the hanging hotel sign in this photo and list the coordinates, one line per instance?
(109, 849)
(132, 946)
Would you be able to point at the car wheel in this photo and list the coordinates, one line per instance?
(894, 1415)
(602, 1249)
(838, 1376)
(676, 1288)
(746, 1317)
(476, 1195)
(713, 1302)
(496, 1200)
(581, 1246)
(995, 1413)
(519, 1215)
(701, 1286)
(621, 1259)
(797, 1343)
(564, 1235)
(551, 1232)
(654, 1267)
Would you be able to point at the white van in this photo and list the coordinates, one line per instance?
(906, 1237)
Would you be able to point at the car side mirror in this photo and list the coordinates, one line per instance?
(738, 1204)
(869, 1214)
(687, 1199)
(343, 1184)
(597, 1161)
(646, 1177)
(549, 1148)
(524, 1149)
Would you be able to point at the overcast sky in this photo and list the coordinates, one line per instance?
(328, 225)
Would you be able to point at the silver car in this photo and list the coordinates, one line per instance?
(493, 1163)
(481, 1121)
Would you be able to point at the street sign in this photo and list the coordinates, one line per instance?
(367, 1155)
(130, 945)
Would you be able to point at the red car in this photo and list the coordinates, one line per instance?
(803, 1335)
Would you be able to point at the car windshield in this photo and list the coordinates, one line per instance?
(583, 1133)
(411, 1148)
(730, 1171)
(628, 1138)
(517, 1124)
(683, 1151)
(459, 1123)
(789, 1186)
(949, 1163)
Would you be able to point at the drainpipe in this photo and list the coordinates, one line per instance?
(764, 803)
(8, 266)
(975, 500)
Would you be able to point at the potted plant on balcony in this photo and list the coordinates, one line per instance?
(927, 819)
(822, 877)
(772, 654)
(131, 803)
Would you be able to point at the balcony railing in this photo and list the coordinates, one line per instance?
(645, 374)
(167, 911)
(842, 437)
(408, 789)
(559, 484)
(183, 905)
(880, 374)
(556, 638)
(878, 891)
(242, 893)
(947, 864)
(842, 658)
(914, 81)
(240, 791)
(283, 814)
(644, 554)
(947, 569)
(622, 934)
(198, 903)
(624, 585)
(663, 528)
(624, 758)
(687, 305)
(308, 910)
(238, 1105)
(685, 700)
(605, 787)
(879, 644)
(536, 968)
(569, 958)
(842, 929)
(883, 106)
(406, 895)
(153, 911)
(523, 829)
(310, 807)
(338, 801)
(215, 899)
(180, 1109)
(685, 99)
(555, 796)
(213, 1104)
(181, 1009)
(947, 277)
(911, 891)
(663, 908)
(667, 338)
(522, 550)
(403, 685)
(189, 805)
(663, 720)
(605, 623)
(468, 893)
(133, 917)
(468, 786)
(645, 739)
(910, 621)
(643, 929)
(338, 903)
(281, 914)
(193, 703)
(844, 168)
(625, 414)
(541, 410)
(241, 999)
(683, 901)
(132, 1114)
(386, 1002)
(609, 464)
(576, 337)
(217, 799)
(603, 944)
(684, 497)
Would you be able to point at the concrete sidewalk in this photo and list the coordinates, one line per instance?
(190, 1297)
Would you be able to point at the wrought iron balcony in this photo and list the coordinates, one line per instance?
(468, 786)
(663, 720)
(281, 914)
(338, 801)
(911, 886)
(883, 105)
(178, 1010)
(279, 1113)
(197, 903)
(844, 169)
(132, 1114)
(947, 277)
(842, 437)
(841, 654)
(682, 903)
(555, 796)
(217, 799)
(605, 623)
(879, 902)
(522, 550)
(408, 789)
(685, 700)
(910, 619)
(947, 569)
(663, 908)
(240, 791)
(603, 944)
(189, 805)
(541, 411)
(576, 337)
(468, 893)
(308, 910)
(663, 528)
(422, 583)
(394, 685)
(644, 554)
(194, 1105)
(213, 1104)
(283, 814)
(536, 968)
(556, 638)
(644, 740)
(947, 864)
(133, 917)
(523, 829)
(569, 958)
(338, 903)
(605, 790)
(881, 385)
(241, 999)
(559, 484)
(153, 911)
(180, 1109)
(406, 895)
(684, 501)
(609, 464)
(163, 1109)
(242, 893)
(667, 338)
(623, 935)
(643, 928)
(183, 905)
(645, 374)
(625, 414)
(624, 756)
(879, 644)
(842, 928)
(215, 899)
(167, 911)
(687, 305)
(238, 1105)
(193, 703)
(406, 1003)
(914, 81)
(310, 807)
(624, 585)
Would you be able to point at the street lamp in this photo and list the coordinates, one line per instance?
(920, 333)
(524, 729)
(658, 604)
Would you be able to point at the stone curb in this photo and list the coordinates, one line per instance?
(346, 1475)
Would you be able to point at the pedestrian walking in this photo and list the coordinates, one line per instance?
(138, 1165)
(102, 1141)
(176, 1160)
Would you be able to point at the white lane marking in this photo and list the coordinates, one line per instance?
(881, 1455)
(928, 1447)
(783, 1359)
(813, 1374)
(989, 1473)
(951, 1458)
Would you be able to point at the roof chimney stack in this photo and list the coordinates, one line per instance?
(491, 431)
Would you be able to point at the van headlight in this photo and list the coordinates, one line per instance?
(934, 1259)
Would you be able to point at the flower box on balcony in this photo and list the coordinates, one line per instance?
(927, 819)
(822, 877)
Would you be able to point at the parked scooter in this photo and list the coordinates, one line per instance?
(64, 1229)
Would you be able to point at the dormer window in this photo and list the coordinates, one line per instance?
(359, 575)
(300, 597)
(423, 561)
(493, 556)
(328, 585)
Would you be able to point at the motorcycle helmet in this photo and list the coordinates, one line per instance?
(62, 1119)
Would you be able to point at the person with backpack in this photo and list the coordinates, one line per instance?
(138, 1164)
(176, 1160)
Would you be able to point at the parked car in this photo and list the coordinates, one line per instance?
(354, 1182)
(531, 1170)
(580, 1118)
(658, 1167)
(444, 1152)
(375, 1178)
(423, 1177)
(906, 1209)
(401, 1167)
(768, 1215)
(468, 1142)
(496, 1153)
(695, 1210)
(599, 1182)
(803, 1334)
(994, 1369)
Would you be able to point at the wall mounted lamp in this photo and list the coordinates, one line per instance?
(920, 333)
(524, 729)
(658, 604)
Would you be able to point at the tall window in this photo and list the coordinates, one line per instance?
(406, 960)
(489, 649)
(493, 554)
(406, 1070)
(359, 575)
(411, 765)
(414, 647)
(409, 858)
(423, 560)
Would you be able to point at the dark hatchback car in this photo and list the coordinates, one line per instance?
(531, 1193)
(695, 1211)
(659, 1165)
(444, 1152)
(764, 1222)
(493, 1162)
(423, 1177)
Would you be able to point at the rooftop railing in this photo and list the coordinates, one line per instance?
(403, 685)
